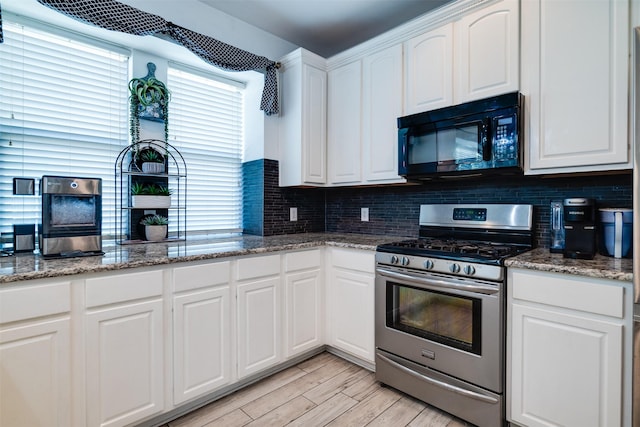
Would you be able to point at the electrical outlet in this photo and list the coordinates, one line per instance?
(293, 214)
(364, 214)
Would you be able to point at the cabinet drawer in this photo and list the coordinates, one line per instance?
(27, 302)
(260, 266)
(304, 260)
(359, 260)
(200, 276)
(123, 287)
(572, 292)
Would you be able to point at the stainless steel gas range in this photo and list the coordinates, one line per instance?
(440, 307)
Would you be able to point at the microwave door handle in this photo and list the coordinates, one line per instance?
(486, 139)
(403, 151)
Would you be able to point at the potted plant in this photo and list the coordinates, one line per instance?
(155, 227)
(152, 161)
(149, 100)
(150, 196)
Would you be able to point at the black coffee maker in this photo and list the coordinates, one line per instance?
(580, 228)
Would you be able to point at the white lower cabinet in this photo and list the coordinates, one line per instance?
(568, 337)
(350, 301)
(124, 348)
(201, 330)
(258, 313)
(303, 301)
(35, 355)
(118, 349)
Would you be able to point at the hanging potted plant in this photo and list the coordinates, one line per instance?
(155, 227)
(150, 196)
(149, 100)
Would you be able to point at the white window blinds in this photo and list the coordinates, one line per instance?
(205, 125)
(63, 111)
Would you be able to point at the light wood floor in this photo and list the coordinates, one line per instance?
(322, 391)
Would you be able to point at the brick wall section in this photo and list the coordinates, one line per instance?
(395, 209)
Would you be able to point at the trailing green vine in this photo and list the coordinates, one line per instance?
(148, 99)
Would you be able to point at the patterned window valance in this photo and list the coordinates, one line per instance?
(116, 16)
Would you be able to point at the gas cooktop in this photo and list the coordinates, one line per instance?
(474, 233)
(454, 249)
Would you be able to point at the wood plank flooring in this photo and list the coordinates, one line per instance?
(322, 391)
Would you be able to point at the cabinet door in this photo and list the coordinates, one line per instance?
(351, 313)
(487, 52)
(125, 360)
(575, 80)
(35, 376)
(314, 124)
(259, 341)
(382, 105)
(344, 134)
(202, 343)
(302, 121)
(303, 312)
(429, 70)
(566, 369)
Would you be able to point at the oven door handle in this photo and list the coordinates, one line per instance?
(438, 383)
(436, 283)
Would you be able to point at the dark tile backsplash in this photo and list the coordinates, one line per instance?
(253, 197)
(266, 205)
(395, 209)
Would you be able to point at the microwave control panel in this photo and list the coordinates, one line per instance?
(505, 143)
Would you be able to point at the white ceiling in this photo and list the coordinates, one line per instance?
(325, 27)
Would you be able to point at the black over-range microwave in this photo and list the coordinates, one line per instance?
(469, 139)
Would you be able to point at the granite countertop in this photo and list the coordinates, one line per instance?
(601, 267)
(117, 257)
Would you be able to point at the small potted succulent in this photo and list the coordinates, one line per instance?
(150, 196)
(152, 161)
(155, 227)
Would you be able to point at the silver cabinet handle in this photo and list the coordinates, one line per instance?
(438, 383)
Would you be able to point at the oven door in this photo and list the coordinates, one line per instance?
(453, 325)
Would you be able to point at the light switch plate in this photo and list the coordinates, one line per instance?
(364, 214)
(293, 214)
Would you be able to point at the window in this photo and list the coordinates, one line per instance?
(205, 124)
(63, 111)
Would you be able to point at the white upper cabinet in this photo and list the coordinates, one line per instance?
(345, 134)
(575, 58)
(429, 70)
(365, 99)
(472, 58)
(382, 105)
(487, 51)
(302, 124)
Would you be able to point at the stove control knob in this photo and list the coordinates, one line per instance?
(405, 260)
(428, 264)
(469, 270)
(394, 259)
(454, 268)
